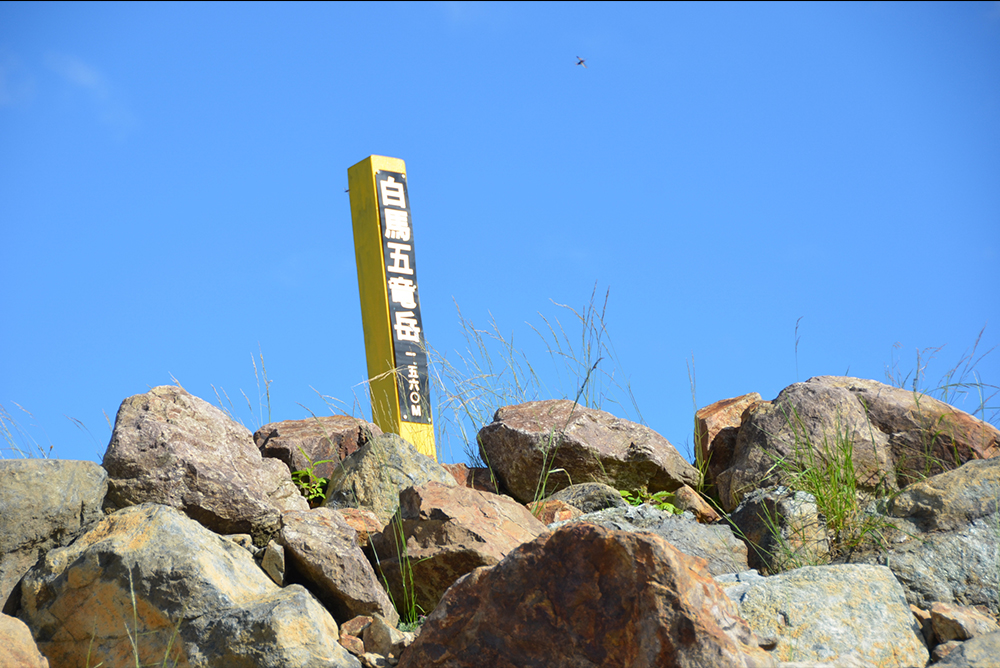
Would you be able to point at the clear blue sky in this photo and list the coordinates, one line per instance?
(172, 194)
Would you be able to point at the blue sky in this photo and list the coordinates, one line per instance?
(172, 197)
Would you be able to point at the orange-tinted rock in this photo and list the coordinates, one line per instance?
(553, 510)
(686, 498)
(715, 428)
(477, 477)
(363, 521)
(326, 439)
(960, 622)
(584, 595)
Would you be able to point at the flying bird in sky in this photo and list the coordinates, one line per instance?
(581, 61)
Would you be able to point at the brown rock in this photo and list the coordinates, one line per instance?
(323, 549)
(715, 429)
(686, 498)
(19, 648)
(553, 510)
(923, 618)
(352, 644)
(477, 477)
(172, 448)
(578, 445)
(448, 531)
(364, 522)
(960, 622)
(326, 439)
(356, 625)
(587, 596)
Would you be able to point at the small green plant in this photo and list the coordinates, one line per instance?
(662, 500)
(311, 484)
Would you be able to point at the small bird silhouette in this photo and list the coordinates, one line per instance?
(581, 61)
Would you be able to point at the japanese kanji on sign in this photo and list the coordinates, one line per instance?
(390, 300)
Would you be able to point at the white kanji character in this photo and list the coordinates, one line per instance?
(402, 290)
(406, 327)
(411, 371)
(392, 193)
(414, 384)
(397, 224)
(400, 260)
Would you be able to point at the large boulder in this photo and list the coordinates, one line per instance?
(715, 543)
(322, 549)
(892, 436)
(444, 531)
(590, 497)
(947, 541)
(172, 448)
(820, 613)
(302, 443)
(378, 471)
(44, 503)
(586, 596)
(569, 444)
(151, 576)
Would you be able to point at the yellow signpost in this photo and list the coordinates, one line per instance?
(390, 301)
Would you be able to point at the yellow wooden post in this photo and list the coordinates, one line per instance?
(390, 301)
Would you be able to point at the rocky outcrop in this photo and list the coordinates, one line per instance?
(575, 444)
(44, 504)
(782, 528)
(823, 613)
(323, 550)
(584, 595)
(171, 448)
(447, 531)
(378, 471)
(716, 544)
(194, 599)
(320, 441)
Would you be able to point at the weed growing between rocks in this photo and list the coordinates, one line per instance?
(660, 500)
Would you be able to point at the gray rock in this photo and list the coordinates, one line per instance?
(951, 500)
(737, 584)
(189, 595)
(979, 652)
(322, 549)
(782, 528)
(715, 543)
(273, 563)
(44, 503)
(378, 471)
(172, 448)
(590, 497)
(381, 637)
(818, 613)
(580, 445)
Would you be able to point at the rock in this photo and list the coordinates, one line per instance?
(944, 649)
(686, 498)
(951, 500)
(894, 436)
(782, 529)
(553, 510)
(364, 522)
(378, 471)
(923, 618)
(199, 600)
(979, 652)
(172, 448)
(326, 439)
(448, 531)
(586, 444)
(590, 497)
(355, 626)
(323, 550)
(352, 644)
(716, 544)
(273, 563)
(384, 638)
(581, 596)
(818, 613)
(19, 648)
(960, 622)
(477, 477)
(715, 429)
(44, 503)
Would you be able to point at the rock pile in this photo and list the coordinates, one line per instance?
(192, 546)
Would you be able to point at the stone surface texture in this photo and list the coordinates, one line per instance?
(715, 430)
(553, 510)
(199, 600)
(328, 439)
(17, 647)
(590, 497)
(587, 597)
(323, 550)
(378, 471)
(364, 522)
(448, 531)
(476, 477)
(818, 613)
(587, 445)
(171, 448)
(716, 544)
(979, 652)
(44, 503)
(781, 527)
(960, 622)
